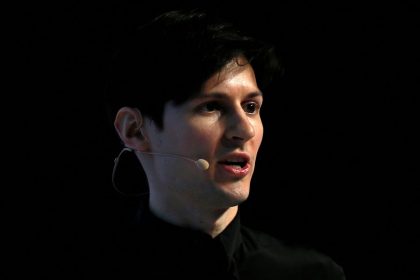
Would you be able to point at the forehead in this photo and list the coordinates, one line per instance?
(238, 72)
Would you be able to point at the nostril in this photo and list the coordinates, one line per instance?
(237, 138)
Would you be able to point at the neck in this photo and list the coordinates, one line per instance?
(211, 221)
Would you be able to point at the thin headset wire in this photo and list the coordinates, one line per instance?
(114, 170)
(126, 149)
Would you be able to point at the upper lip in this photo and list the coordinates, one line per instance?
(242, 157)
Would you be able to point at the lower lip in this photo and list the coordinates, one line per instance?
(234, 171)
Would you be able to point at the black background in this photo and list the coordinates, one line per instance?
(338, 169)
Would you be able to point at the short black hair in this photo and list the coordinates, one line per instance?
(170, 58)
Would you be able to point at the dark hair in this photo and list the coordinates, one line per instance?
(171, 57)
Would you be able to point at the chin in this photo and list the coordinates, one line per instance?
(237, 197)
(231, 194)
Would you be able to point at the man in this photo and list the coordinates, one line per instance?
(185, 96)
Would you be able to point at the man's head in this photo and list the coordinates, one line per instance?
(190, 85)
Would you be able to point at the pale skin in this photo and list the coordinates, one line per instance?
(221, 125)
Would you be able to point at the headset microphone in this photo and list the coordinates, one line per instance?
(201, 164)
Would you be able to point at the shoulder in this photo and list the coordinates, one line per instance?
(271, 254)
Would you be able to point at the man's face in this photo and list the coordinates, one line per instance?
(222, 125)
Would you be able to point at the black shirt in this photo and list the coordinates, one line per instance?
(154, 249)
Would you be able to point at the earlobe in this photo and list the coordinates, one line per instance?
(128, 124)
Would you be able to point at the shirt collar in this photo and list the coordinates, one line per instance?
(230, 238)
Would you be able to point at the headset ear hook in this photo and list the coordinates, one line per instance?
(114, 170)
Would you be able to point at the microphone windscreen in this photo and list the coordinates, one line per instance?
(202, 164)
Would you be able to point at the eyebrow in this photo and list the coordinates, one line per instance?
(222, 95)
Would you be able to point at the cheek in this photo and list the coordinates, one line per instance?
(205, 136)
(259, 132)
(259, 137)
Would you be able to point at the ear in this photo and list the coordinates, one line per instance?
(128, 123)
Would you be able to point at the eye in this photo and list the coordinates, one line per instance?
(251, 107)
(211, 107)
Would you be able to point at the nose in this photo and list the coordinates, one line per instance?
(240, 127)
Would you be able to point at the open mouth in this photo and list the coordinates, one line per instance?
(235, 163)
(236, 160)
